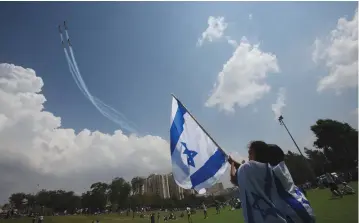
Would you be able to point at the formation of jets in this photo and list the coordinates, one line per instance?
(68, 39)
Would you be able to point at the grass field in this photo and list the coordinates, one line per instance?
(327, 210)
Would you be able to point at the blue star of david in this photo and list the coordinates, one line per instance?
(302, 199)
(190, 155)
(267, 210)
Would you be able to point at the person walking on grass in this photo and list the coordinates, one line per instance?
(333, 186)
(218, 211)
(189, 216)
(267, 191)
(204, 211)
(152, 218)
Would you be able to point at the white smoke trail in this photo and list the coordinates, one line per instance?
(103, 108)
(278, 106)
(106, 110)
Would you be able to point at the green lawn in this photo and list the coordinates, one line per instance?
(327, 210)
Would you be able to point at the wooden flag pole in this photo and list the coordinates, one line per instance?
(200, 126)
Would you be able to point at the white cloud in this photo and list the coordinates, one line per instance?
(279, 104)
(250, 16)
(35, 142)
(214, 31)
(339, 53)
(242, 79)
(231, 42)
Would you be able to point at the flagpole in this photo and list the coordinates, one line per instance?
(220, 148)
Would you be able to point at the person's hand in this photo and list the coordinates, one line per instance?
(233, 162)
(230, 160)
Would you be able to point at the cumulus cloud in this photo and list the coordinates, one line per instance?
(339, 53)
(33, 143)
(214, 31)
(278, 106)
(242, 79)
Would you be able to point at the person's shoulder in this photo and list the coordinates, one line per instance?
(243, 169)
(244, 165)
(248, 165)
(251, 166)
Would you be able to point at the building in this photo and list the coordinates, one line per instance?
(157, 184)
(165, 186)
(174, 190)
(141, 190)
(215, 189)
(188, 192)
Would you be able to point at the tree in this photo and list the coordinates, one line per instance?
(98, 195)
(119, 191)
(338, 141)
(318, 161)
(297, 167)
(31, 199)
(16, 200)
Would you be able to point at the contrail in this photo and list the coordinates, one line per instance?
(106, 110)
(73, 72)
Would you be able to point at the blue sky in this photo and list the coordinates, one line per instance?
(133, 55)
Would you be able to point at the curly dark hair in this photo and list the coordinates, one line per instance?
(266, 153)
(276, 154)
(260, 150)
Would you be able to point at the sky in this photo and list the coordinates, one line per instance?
(236, 65)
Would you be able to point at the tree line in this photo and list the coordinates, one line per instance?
(335, 149)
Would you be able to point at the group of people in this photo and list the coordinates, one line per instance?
(266, 188)
(267, 191)
(37, 219)
(334, 181)
(171, 216)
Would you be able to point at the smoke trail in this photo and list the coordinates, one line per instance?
(83, 88)
(106, 110)
(103, 108)
(74, 74)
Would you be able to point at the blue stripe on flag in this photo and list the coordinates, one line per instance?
(292, 202)
(209, 169)
(177, 126)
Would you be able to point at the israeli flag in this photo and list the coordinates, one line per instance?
(197, 161)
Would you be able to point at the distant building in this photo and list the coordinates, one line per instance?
(165, 186)
(141, 190)
(228, 192)
(215, 189)
(174, 190)
(188, 192)
(157, 185)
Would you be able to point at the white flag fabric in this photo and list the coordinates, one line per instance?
(269, 195)
(296, 204)
(197, 163)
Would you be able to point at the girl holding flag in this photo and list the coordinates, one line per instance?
(267, 190)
